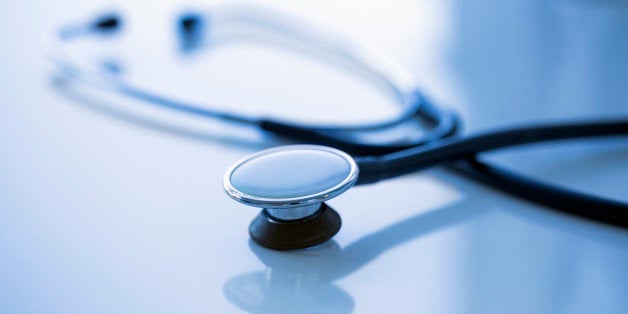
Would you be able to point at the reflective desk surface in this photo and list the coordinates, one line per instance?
(107, 206)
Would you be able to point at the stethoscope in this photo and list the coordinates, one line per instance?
(292, 183)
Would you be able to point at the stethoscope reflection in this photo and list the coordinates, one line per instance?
(293, 282)
(303, 281)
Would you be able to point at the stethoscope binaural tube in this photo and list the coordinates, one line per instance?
(380, 70)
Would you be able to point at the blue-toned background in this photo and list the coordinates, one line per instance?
(107, 206)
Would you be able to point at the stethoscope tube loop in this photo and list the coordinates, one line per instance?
(375, 168)
(553, 197)
(439, 125)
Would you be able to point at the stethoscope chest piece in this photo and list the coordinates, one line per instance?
(291, 184)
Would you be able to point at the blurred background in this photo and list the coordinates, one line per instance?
(109, 206)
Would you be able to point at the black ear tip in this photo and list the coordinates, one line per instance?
(108, 22)
(190, 22)
(191, 28)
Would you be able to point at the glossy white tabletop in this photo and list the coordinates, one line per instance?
(107, 206)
